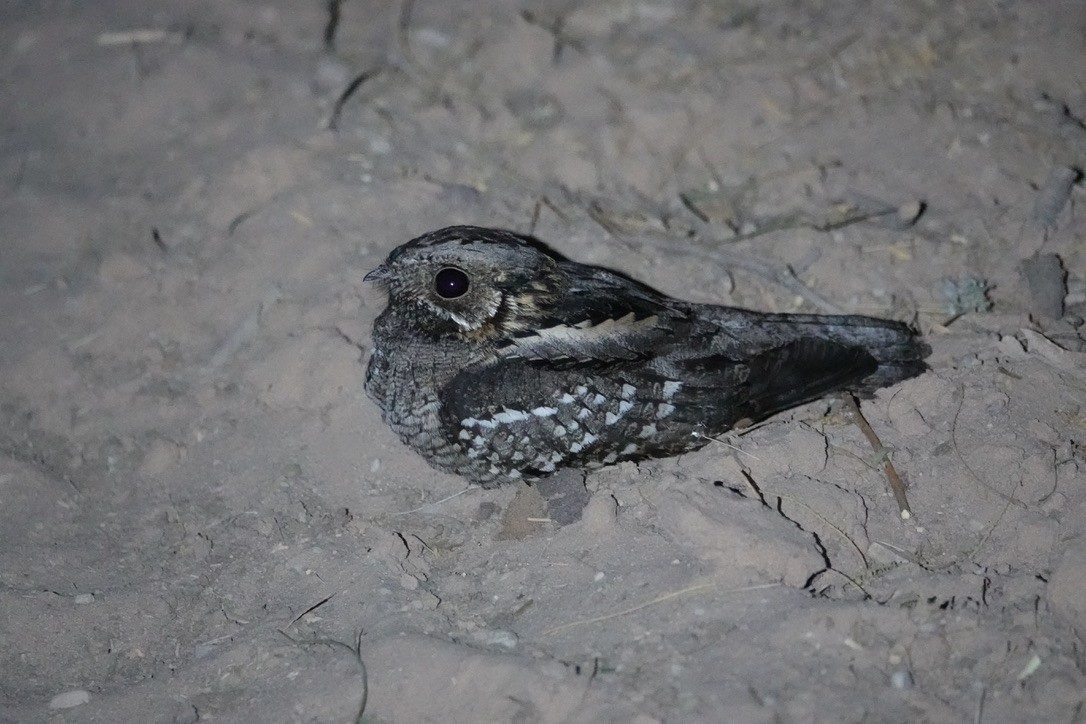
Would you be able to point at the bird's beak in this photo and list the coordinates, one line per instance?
(379, 274)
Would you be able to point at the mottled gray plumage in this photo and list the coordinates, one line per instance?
(498, 359)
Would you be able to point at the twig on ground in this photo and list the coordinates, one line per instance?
(403, 31)
(138, 37)
(653, 602)
(332, 25)
(978, 713)
(852, 409)
(312, 608)
(727, 444)
(424, 506)
(337, 108)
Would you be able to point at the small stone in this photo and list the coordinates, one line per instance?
(497, 637)
(69, 699)
(901, 679)
(908, 213)
(84, 598)
(331, 75)
(1047, 282)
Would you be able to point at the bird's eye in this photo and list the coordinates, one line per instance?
(451, 283)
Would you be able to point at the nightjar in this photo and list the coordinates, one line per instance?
(498, 359)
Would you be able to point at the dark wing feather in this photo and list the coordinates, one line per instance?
(718, 390)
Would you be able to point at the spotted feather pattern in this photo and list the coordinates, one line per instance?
(544, 363)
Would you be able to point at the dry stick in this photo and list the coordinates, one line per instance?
(978, 713)
(892, 477)
(727, 444)
(424, 506)
(332, 120)
(332, 25)
(654, 602)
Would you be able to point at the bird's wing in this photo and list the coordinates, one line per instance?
(574, 388)
(534, 417)
(600, 319)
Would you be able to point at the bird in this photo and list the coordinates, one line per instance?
(498, 359)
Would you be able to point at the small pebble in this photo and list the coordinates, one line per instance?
(901, 679)
(84, 598)
(497, 637)
(331, 75)
(69, 699)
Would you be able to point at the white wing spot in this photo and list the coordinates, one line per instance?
(628, 391)
(670, 388)
(648, 430)
(588, 439)
(580, 390)
(610, 418)
(597, 400)
(629, 449)
(559, 431)
(624, 407)
(611, 457)
(565, 399)
(585, 412)
(663, 410)
(465, 434)
(506, 416)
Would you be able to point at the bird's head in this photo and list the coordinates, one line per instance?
(470, 282)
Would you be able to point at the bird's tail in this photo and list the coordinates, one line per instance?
(895, 351)
(795, 358)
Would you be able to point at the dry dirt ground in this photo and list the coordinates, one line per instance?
(202, 518)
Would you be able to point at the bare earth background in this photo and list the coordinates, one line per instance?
(196, 499)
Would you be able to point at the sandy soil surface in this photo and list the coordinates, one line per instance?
(202, 518)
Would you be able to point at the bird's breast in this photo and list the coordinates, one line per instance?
(405, 377)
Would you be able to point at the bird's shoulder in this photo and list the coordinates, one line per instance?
(598, 317)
